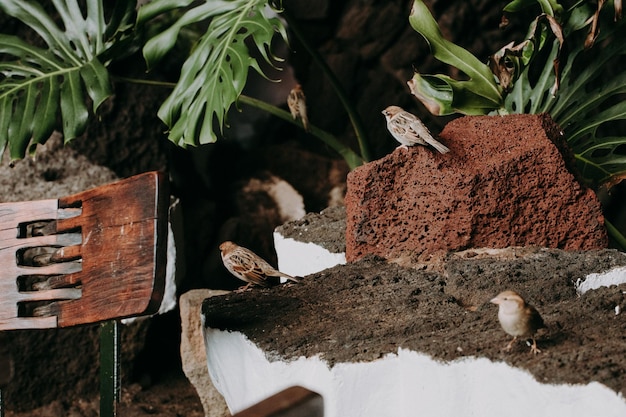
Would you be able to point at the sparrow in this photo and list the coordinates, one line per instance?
(248, 266)
(518, 318)
(407, 129)
(296, 101)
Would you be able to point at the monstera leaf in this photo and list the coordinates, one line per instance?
(38, 85)
(590, 107)
(214, 75)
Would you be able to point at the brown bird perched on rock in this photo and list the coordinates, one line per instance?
(518, 318)
(249, 267)
(407, 129)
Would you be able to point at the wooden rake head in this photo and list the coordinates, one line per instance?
(93, 256)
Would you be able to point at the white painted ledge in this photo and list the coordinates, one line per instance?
(304, 258)
(615, 276)
(402, 385)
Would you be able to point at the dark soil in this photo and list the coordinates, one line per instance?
(365, 310)
(172, 397)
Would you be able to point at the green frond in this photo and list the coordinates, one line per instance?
(39, 86)
(214, 75)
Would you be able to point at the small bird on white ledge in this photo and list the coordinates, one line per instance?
(407, 129)
(518, 318)
(249, 267)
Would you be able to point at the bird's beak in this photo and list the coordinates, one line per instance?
(495, 300)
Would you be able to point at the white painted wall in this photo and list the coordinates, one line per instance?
(615, 276)
(405, 384)
(304, 258)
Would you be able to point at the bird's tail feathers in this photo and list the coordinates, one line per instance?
(438, 145)
(287, 276)
(290, 278)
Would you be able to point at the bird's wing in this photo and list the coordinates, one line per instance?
(421, 130)
(245, 265)
(424, 134)
(536, 321)
(403, 123)
(256, 269)
(405, 119)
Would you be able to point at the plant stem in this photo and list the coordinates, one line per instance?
(615, 234)
(343, 97)
(352, 159)
(153, 83)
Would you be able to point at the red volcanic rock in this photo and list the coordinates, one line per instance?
(503, 183)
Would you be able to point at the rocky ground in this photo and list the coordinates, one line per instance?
(370, 308)
(173, 396)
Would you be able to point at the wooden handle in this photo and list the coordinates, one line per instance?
(292, 402)
(123, 250)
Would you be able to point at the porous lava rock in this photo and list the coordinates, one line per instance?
(507, 181)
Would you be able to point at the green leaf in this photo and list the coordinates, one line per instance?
(534, 96)
(96, 79)
(441, 94)
(549, 7)
(587, 103)
(601, 158)
(590, 104)
(152, 9)
(157, 47)
(37, 85)
(213, 76)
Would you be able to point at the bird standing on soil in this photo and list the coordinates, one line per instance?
(518, 318)
(248, 266)
(407, 129)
